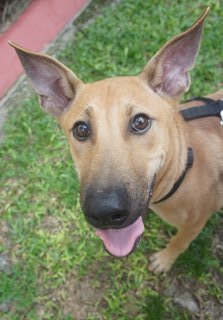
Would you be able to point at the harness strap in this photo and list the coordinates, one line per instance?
(189, 164)
(212, 108)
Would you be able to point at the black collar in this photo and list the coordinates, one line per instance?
(189, 164)
(210, 109)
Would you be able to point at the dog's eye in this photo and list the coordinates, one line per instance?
(81, 131)
(141, 123)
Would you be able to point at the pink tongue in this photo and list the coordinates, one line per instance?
(120, 242)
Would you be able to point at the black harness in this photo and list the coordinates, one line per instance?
(211, 108)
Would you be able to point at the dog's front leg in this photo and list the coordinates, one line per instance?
(163, 260)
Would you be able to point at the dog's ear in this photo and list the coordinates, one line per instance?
(55, 84)
(167, 73)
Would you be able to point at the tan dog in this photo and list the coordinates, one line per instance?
(130, 145)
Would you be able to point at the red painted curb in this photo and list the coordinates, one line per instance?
(36, 27)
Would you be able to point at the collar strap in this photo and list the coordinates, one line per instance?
(212, 108)
(189, 164)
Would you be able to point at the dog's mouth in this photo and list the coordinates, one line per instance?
(122, 242)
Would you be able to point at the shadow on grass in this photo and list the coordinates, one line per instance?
(199, 258)
(155, 310)
(18, 290)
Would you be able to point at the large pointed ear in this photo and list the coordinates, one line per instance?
(167, 73)
(55, 84)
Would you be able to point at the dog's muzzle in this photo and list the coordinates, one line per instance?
(117, 218)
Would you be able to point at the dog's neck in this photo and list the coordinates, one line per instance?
(175, 159)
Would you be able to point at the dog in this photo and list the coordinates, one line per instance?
(133, 149)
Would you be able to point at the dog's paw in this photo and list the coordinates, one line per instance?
(161, 261)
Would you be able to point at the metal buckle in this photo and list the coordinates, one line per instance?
(221, 115)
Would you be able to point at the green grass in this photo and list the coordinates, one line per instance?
(55, 256)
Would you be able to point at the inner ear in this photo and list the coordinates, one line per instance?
(55, 84)
(167, 73)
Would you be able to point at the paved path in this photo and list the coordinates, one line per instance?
(35, 29)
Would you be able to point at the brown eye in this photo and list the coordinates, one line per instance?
(81, 131)
(141, 123)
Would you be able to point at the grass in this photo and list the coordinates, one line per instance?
(58, 268)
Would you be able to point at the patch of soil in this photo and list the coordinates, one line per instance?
(10, 10)
(4, 239)
(193, 297)
(76, 298)
(5, 261)
(52, 224)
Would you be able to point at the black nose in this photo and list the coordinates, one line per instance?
(105, 209)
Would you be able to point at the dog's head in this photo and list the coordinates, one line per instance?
(119, 131)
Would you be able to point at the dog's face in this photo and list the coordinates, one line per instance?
(117, 140)
(118, 131)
